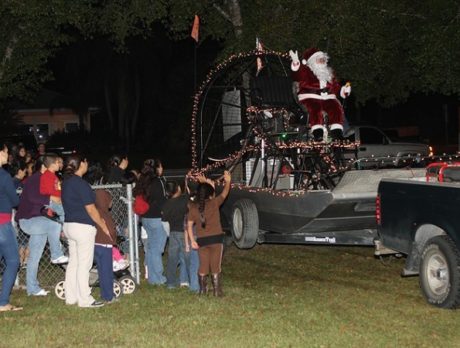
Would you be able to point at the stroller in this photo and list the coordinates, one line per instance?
(123, 284)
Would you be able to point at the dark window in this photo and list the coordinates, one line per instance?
(71, 127)
(371, 136)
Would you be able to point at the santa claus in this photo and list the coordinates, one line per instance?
(318, 90)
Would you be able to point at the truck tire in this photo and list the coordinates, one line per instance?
(440, 272)
(245, 223)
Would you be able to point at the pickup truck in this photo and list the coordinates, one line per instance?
(421, 220)
(376, 149)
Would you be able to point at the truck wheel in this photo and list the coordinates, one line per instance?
(440, 272)
(245, 223)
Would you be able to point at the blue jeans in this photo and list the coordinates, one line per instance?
(176, 256)
(58, 209)
(103, 257)
(8, 251)
(156, 242)
(193, 263)
(39, 228)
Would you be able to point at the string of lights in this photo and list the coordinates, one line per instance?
(328, 154)
(210, 78)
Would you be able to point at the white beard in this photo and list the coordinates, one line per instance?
(321, 71)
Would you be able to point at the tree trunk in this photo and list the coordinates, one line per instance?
(135, 113)
(108, 101)
(122, 103)
(7, 56)
(234, 12)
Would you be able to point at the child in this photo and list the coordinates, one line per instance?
(18, 172)
(191, 259)
(119, 263)
(103, 249)
(174, 211)
(50, 184)
(204, 214)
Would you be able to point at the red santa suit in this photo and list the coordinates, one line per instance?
(318, 90)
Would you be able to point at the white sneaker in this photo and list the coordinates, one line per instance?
(42, 292)
(184, 285)
(60, 260)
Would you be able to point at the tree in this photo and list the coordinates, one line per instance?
(388, 50)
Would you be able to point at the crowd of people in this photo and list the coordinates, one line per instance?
(45, 198)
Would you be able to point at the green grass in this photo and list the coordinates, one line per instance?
(275, 296)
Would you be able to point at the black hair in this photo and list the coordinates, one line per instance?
(16, 166)
(171, 188)
(143, 185)
(94, 174)
(71, 165)
(38, 163)
(152, 165)
(203, 192)
(149, 174)
(130, 177)
(115, 160)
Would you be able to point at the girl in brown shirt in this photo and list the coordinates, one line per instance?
(204, 214)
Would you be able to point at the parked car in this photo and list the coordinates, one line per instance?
(377, 149)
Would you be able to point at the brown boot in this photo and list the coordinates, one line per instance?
(217, 285)
(203, 280)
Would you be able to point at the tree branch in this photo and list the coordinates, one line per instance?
(223, 13)
(8, 53)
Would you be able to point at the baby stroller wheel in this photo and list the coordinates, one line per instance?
(128, 284)
(117, 289)
(59, 290)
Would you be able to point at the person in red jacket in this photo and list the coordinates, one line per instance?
(317, 91)
(50, 184)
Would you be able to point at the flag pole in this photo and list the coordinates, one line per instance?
(195, 34)
(194, 65)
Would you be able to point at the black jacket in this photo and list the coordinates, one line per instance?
(157, 198)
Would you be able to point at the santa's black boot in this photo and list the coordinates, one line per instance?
(318, 134)
(337, 134)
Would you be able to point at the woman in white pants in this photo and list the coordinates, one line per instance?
(81, 217)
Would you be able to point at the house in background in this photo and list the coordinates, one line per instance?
(48, 114)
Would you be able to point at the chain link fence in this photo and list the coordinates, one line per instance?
(127, 230)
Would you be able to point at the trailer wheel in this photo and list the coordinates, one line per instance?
(245, 223)
(440, 272)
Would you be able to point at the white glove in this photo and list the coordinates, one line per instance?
(345, 91)
(295, 65)
(294, 56)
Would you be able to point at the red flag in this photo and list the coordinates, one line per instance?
(196, 28)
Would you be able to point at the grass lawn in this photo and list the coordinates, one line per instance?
(275, 296)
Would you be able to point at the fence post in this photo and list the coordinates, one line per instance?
(136, 250)
(133, 238)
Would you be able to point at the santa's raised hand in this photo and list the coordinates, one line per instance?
(345, 90)
(295, 65)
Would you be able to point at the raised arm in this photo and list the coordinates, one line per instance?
(228, 181)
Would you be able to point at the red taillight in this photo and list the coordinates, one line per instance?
(378, 215)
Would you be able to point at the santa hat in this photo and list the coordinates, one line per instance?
(311, 54)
